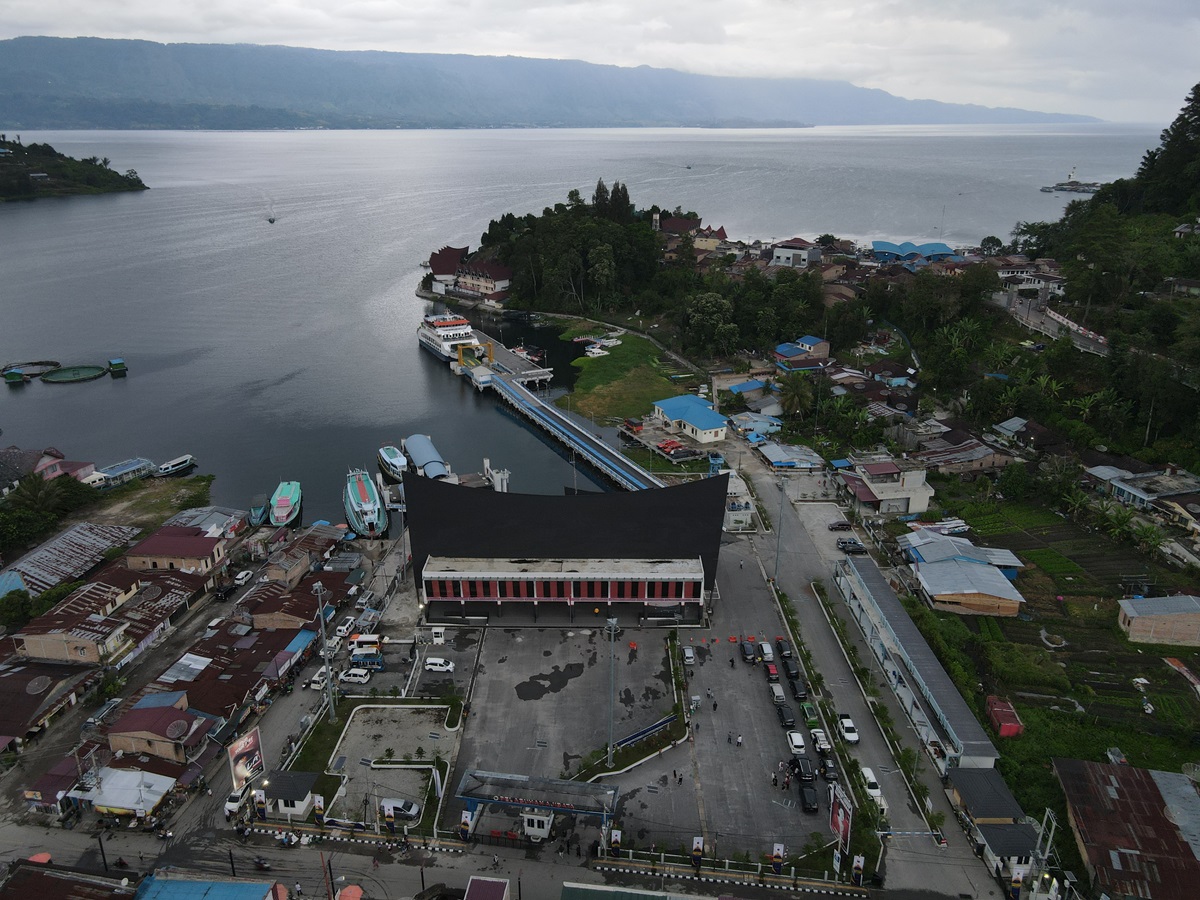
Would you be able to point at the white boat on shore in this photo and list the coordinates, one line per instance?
(176, 466)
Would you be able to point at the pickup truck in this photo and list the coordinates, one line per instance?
(848, 731)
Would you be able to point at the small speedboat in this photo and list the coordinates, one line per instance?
(176, 466)
(393, 462)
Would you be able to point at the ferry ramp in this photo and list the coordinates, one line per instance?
(608, 460)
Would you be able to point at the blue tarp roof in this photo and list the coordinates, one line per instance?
(841, 464)
(11, 581)
(909, 250)
(154, 701)
(303, 638)
(752, 385)
(177, 889)
(810, 340)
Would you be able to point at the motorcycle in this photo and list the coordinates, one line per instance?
(121, 864)
(261, 864)
(165, 835)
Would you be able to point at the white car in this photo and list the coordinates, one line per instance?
(233, 803)
(436, 664)
(346, 627)
(873, 790)
(243, 577)
(820, 742)
(846, 727)
(795, 743)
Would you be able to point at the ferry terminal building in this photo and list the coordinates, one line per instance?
(645, 557)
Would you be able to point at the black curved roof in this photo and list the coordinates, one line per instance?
(678, 522)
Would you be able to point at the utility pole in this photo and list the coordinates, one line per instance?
(611, 625)
(779, 532)
(320, 591)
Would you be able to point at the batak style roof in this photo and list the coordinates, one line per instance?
(679, 522)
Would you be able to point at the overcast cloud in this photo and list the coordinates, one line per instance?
(1121, 61)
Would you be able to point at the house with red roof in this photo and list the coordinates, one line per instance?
(164, 731)
(709, 238)
(445, 262)
(178, 547)
(886, 487)
(677, 225)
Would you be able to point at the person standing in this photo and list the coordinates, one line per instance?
(299, 890)
(731, 737)
(739, 743)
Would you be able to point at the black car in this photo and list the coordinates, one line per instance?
(839, 525)
(787, 718)
(799, 689)
(791, 670)
(801, 766)
(784, 648)
(829, 769)
(851, 545)
(748, 653)
(808, 798)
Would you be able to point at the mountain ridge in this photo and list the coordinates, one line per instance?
(87, 82)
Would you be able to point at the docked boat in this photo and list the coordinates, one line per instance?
(117, 367)
(595, 350)
(176, 466)
(531, 353)
(444, 333)
(392, 461)
(258, 510)
(285, 503)
(364, 509)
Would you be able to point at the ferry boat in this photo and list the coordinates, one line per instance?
(285, 503)
(258, 510)
(393, 462)
(176, 466)
(442, 334)
(364, 510)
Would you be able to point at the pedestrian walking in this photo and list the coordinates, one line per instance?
(731, 663)
(739, 743)
(680, 778)
(374, 862)
(674, 774)
(709, 692)
(787, 782)
(731, 737)
(774, 779)
(782, 764)
(741, 564)
(714, 706)
(299, 890)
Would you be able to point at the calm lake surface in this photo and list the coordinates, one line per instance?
(289, 350)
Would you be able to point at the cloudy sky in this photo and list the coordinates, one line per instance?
(1119, 60)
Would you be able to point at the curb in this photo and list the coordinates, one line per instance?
(840, 891)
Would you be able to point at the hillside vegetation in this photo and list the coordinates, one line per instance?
(38, 170)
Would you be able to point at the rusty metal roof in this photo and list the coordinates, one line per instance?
(1127, 829)
(69, 555)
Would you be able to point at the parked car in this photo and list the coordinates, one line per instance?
(401, 809)
(829, 769)
(795, 742)
(820, 742)
(784, 648)
(320, 679)
(243, 577)
(847, 729)
(355, 676)
(808, 798)
(689, 656)
(811, 718)
(840, 525)
(748, 653)
(233, 803)
(434, 664)
(771, 671)
(787, 718)
(851, 545)
(871, 784)
(765, 653)
(346, 627)
(799, 690)
(802, 768)
(791, 670)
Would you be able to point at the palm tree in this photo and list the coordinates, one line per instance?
(1149, 537)
(1047, 386)
(35, 494)
(795, 394)
(1120, 521)
(1085, 405)
(1076, 502)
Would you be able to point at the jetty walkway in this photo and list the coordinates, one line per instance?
(508, 374)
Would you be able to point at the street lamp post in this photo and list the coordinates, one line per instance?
(320, 591)
(779, 533)
(612, 683)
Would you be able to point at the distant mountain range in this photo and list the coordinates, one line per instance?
(98, 83)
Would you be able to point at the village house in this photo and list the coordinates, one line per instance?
(808, 352)
(174, 547)
(690, 415)
(1161, 620)
(709, 239)
(885, 487)
(795, 253)
(168, 731)
(50, 463)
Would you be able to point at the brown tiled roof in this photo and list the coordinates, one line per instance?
(177, 542)
(446, 260)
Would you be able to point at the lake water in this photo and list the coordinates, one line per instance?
(288, 350)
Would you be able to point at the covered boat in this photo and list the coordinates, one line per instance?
(393, 462)
(258, 510)
(285, 503)
(364, 509)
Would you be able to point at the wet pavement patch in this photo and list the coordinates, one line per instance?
(538, 686)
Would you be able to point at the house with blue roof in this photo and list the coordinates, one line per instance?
(808, 352)
(933, 251)
(690, 415)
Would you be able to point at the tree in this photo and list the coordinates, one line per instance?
(35, 494)
(991, 246)
(795, 394)
(14, 609)
(1014, 482)
(600, 199)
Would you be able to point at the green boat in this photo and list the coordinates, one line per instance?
(73, 374)
(117, 367)
(285, 503)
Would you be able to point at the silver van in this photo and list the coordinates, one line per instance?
(776, 693)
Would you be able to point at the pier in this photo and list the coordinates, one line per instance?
(508, 374)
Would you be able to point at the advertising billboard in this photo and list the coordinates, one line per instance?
(840, 813)
(246, 758)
